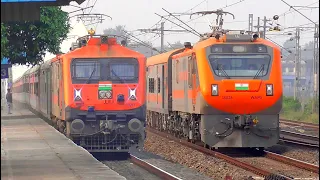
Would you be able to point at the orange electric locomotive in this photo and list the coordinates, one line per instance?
(95, 94)
(225, 91)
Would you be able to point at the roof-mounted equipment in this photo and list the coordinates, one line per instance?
(187, 45)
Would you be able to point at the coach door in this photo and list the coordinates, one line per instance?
(48, 90)
(157, 84)
(163, 95)
(60, 89)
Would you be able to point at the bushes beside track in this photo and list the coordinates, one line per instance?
(295, 110)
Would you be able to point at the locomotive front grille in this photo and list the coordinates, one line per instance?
(102, 142)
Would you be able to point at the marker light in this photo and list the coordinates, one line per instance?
(77, 95)
(239, 49)
(214, 90)
(269, 89)
(132, 94)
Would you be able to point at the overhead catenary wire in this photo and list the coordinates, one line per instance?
(183, 23)
(298, 11)
(177, 24)
(289, 11)
(141, 42)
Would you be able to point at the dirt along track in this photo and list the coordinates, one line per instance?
(300, 124)
(299, 138)
(299, 127)
(261, 166)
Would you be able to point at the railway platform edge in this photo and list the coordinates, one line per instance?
(31, 149)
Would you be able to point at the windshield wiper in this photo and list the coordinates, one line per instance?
(117, 76)
(94, 69)
(259, 71)
(224, 72)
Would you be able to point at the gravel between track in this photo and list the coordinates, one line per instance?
(278, 167)
(208, 165)
(309, 155)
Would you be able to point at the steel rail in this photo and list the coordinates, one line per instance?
(153, 169)
(293, 162)
(243, 165)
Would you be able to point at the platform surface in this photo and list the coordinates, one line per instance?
(31, 149)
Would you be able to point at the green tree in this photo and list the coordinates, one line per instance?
(36, 38)
(4, 41)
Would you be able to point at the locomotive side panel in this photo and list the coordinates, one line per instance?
(58, 91)
(42, 95)
(180, 85)
(45, 90)
(55, 89)
(185, 84)
(156, 92)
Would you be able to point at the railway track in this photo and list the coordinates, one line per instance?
(152, 169)
(261, 172)
(300, 124)
(298, 138)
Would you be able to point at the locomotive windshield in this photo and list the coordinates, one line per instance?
(85, 69)
(240, 65)
(116, 70)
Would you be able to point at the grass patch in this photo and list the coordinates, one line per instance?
(292, 110)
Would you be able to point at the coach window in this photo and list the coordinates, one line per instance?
(190, 71)
(36, 88)
(151, 85)
(158, 85)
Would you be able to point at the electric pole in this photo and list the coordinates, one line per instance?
(315, 68)
(162, 36)
(250, 29)
(258, 26)
(297, 65)
(160, 31)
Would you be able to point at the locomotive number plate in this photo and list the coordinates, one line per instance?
(226, 97)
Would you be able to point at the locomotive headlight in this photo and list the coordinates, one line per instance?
(269, 89)
(214, 90)
(102, 94)
(105, 94)
(108, 94)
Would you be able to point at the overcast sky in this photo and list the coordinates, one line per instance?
(136, 14)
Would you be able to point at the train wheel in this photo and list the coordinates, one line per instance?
(54, 122)
(68, 130)
(62, 126)
(58, 125)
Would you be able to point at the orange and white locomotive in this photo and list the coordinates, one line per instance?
(226, 91)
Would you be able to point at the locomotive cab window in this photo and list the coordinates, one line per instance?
(116, 70)
(124, 70)
(85, 69)
(240, 65)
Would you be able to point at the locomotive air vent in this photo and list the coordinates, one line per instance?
(238, 38)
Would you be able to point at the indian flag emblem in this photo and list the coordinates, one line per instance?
(241, 87)
(105, 87)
